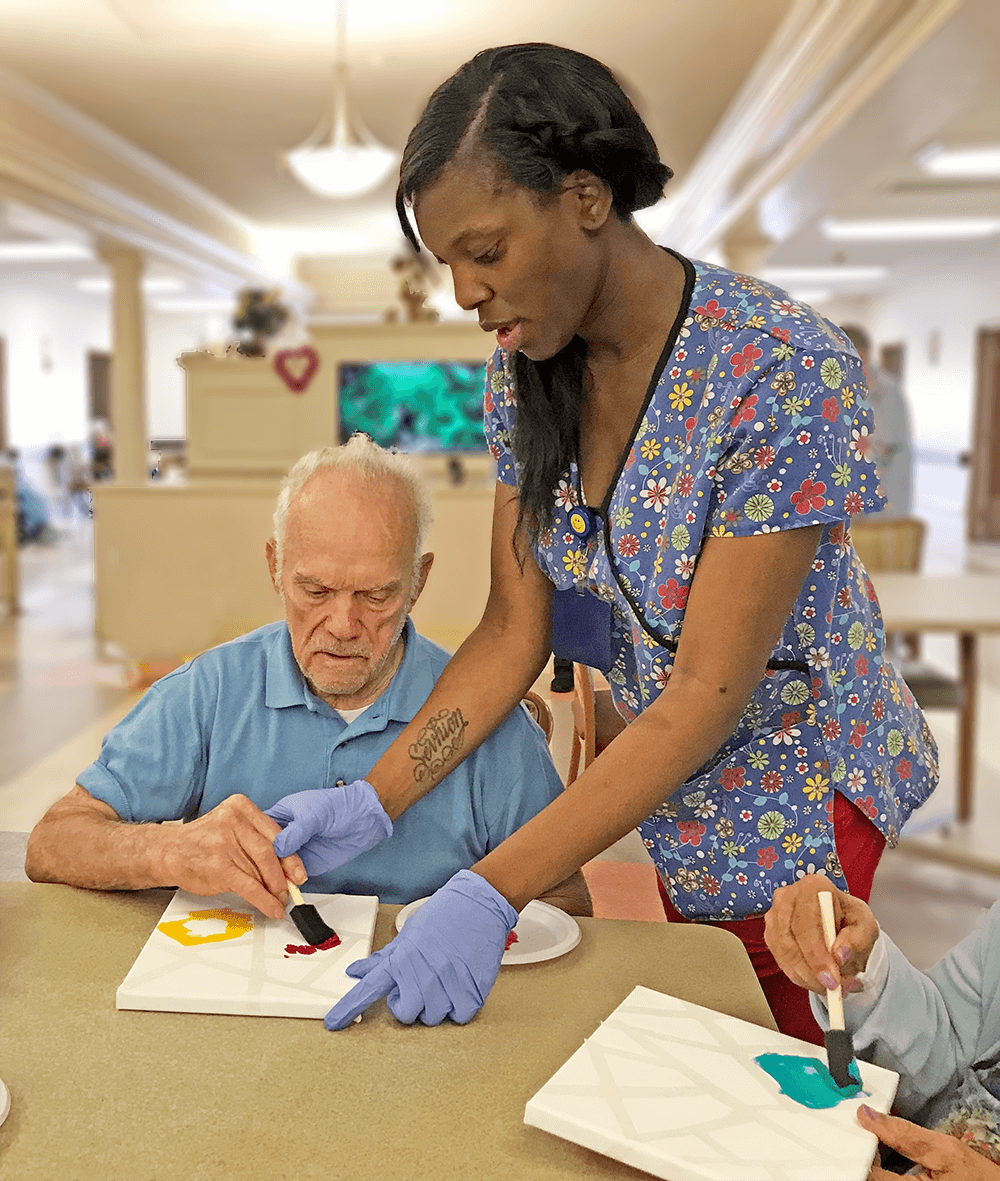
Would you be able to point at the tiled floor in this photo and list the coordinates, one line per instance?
(58, 698)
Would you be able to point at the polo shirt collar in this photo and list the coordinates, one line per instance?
(407, 691)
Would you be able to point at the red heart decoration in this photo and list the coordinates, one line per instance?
(296, 367)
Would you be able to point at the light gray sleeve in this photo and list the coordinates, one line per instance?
(929, 1026)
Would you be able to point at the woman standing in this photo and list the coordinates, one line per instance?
(680, 449)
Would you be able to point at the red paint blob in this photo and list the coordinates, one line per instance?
(309, 948)
(511, 940)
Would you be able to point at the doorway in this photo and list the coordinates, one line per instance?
(984, 493)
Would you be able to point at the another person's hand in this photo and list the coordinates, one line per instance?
(793, 930)
(941, 1157)
(444, 961)
(230, 849)
(329, 826)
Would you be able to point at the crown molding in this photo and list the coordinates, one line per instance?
(54, 158)
(827, 58)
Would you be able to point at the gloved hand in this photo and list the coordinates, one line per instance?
(329, 826)
(444, 961)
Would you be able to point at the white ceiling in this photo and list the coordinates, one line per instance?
(216, 88)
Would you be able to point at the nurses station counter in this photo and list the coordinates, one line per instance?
(180, 566)
(99, 1094)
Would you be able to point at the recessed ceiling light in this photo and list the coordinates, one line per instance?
(101, 285)
(810, 294)
(43, 251)
(786, 276)
(909, 229)
(981, 161)
(196, 306)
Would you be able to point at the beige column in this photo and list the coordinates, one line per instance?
(128, 375)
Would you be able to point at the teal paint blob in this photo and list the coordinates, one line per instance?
(807, 1080)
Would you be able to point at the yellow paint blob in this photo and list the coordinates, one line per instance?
(237, 924)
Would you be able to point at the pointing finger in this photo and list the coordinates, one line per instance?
(374, 986)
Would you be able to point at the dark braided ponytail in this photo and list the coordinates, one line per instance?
(543, 112)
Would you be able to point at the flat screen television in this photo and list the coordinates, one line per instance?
(415, 405)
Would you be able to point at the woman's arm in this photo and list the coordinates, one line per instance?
(741, 595)
(483, 681)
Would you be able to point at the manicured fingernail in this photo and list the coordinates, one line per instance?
(827, 980)
(869, 1114)
(284, 897)
(843, 954)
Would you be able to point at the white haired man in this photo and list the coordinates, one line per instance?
(299, 711)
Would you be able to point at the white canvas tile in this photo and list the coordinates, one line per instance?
(240, 965)
(684, 1099)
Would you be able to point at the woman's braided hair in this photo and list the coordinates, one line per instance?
(543, 112)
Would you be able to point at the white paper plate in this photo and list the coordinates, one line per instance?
(543, 932)
(4, 1102)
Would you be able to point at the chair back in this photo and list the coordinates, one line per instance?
(539, 710)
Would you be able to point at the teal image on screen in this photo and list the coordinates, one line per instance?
(415, 405)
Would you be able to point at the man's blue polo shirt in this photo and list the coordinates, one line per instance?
(240, 718)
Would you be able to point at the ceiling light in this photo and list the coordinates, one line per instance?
(787, 276)
(43, 252)
(196, 306)
(101, 285)
(810, 295)
(910, 229)
(982, 161)
(341, 158)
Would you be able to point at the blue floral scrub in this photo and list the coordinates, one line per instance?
(755, 421)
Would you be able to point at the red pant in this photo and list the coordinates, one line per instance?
(859, 847)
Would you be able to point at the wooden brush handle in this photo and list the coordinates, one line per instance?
(296, 894)
(834, 996)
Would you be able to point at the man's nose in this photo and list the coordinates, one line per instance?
(342, 617)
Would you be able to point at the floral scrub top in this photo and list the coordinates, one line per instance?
(755, 420)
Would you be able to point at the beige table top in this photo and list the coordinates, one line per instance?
(102, 1095)
(931, 602)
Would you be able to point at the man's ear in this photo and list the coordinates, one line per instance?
(426, 561)
(591, 196)
(271, 549)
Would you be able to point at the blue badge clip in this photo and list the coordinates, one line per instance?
(584, 522)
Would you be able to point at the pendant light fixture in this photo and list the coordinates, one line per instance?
(341, 158)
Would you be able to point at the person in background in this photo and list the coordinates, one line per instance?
(939, 1030)
(893, 444)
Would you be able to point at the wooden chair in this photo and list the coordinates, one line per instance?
(897, 543)
(584, 749)
(539, 710)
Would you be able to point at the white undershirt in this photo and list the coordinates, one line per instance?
(350, 714)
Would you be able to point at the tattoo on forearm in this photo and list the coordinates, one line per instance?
(438, 743)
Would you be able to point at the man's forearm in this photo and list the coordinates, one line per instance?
(483, 682)
(79, 847)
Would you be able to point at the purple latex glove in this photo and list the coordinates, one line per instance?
(329, 826)
(444, 961)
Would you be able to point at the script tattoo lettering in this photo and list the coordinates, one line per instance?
(438, 743)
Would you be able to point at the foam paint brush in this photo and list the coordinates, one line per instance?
(839, 1046)
(307, 918)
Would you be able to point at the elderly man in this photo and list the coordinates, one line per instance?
(294, 711)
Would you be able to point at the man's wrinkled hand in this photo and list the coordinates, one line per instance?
(940, 1157)
(231, 850)
(793, 930)
(330, 826)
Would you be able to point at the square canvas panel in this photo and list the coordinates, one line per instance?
(674, 1089)
(220, 955)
